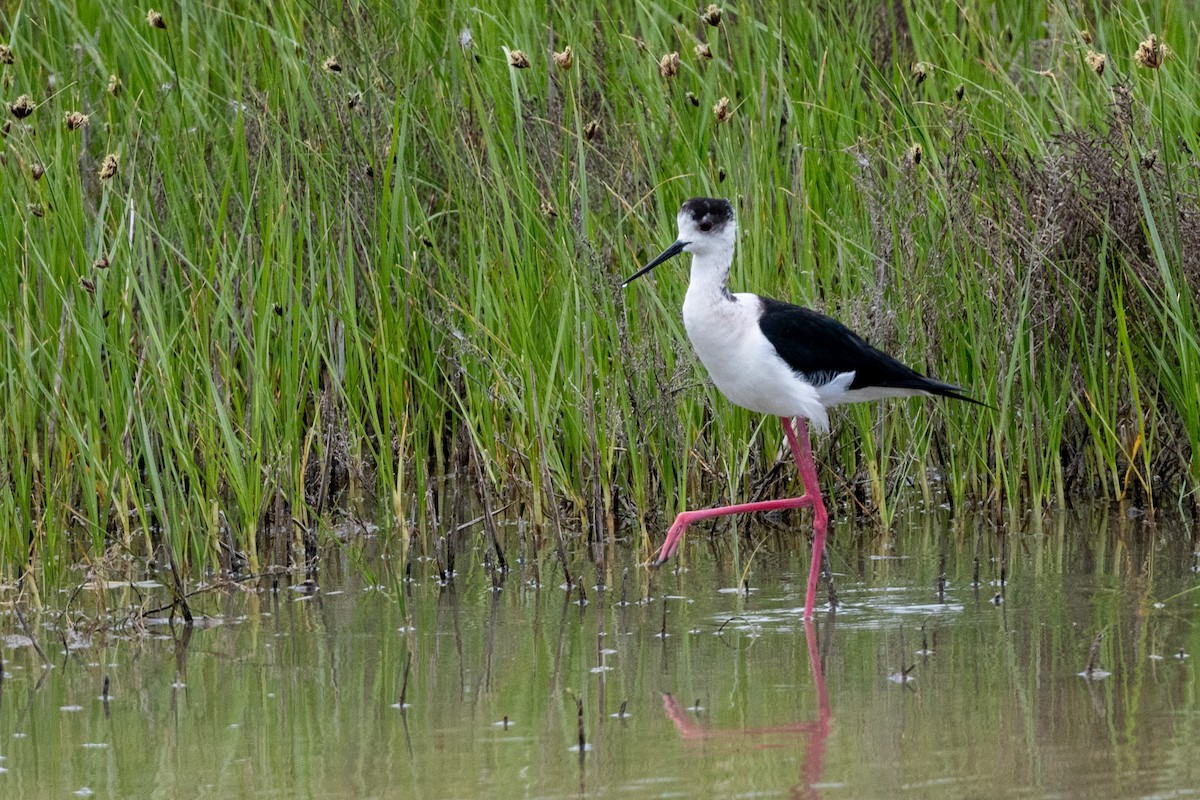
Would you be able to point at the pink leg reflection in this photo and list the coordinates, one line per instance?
(816, 731)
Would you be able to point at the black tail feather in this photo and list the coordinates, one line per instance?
(939, 389)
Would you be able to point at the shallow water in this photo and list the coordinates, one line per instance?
(287, 694)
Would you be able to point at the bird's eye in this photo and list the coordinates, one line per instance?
(706, 226)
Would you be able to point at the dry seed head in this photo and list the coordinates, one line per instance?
(87, 285)
(548, 211)
(114, 85)
(517, 59)
(721, 109)
(1096, 61)
(75, 120)
(703, 52)
(109, 167)
(22, 107)
(465, 39)
(37, 209)
(712, 15)
(590, 130)
(155, 20)
(691, 98)
(332, 64)
(959, 91)
(6, 54)
(353, 99)
(668, 67)
(564, 59)
(101, 263)
(1151, 53)
(1086, 35)
(36, 171)
(915, 152)
(920, 71)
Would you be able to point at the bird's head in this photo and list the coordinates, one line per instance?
(707, 226)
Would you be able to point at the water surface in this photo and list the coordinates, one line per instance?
(973, 691)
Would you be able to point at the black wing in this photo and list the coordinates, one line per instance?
(820, 348)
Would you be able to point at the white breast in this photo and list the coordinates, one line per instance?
(724, 332)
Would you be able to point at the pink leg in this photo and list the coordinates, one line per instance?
(802, 452)
(808, 474)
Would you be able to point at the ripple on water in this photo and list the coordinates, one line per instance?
(14, 640)
(884, 608)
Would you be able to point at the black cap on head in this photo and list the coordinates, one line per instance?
(715, 211)
(706, 214)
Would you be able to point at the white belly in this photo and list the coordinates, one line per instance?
(741, 362)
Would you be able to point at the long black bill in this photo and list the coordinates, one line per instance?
(670, 252)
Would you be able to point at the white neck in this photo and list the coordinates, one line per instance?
(710, 270)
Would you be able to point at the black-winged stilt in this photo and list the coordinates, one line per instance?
(775, 358)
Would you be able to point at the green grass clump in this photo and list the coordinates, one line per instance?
(292, 262)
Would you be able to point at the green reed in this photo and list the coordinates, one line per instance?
(351, 255)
